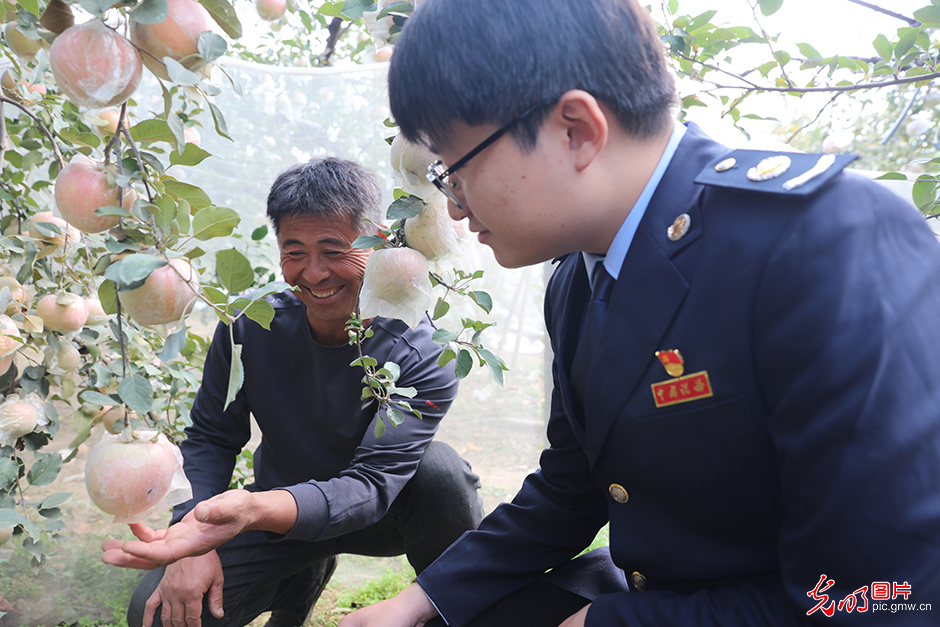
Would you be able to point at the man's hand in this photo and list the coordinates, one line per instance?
(209, 525)
(575, 620)
(409, 608)
(182, 589)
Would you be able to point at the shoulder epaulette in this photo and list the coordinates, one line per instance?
(792, 173)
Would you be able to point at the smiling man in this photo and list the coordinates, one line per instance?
(323, 483)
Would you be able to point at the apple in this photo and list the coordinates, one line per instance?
(383, 55)
(9, 82)
(94, 66)
(409, 164)
(66, 230)
(63, 312)
(81, 188)
(24, 47)
(271, 10)
(396, 285)
(167, 294)
(126, 479)
(113, 418)
(63, 361)
(434, 234)
(20, 416)
(176, 37)
(110, 116)
(96, 313)
(17, 292)
(191, 135)
(9, 345)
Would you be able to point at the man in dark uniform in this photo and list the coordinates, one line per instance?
(746, 344)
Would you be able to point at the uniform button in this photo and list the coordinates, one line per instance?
(639, 582)
(618, 493)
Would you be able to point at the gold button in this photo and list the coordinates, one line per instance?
(639, 582)
(618, 493)
(725, 164)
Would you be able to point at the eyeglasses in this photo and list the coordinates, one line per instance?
(440, 176)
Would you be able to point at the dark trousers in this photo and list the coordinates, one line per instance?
(437, 506)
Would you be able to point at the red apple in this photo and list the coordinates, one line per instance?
(176, 37)
(63, 312)
(81, 188)
(165, 296)
(271, 10)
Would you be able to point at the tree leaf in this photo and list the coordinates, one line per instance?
(440, 309)
(395, 416)
(224, 15)
(175, 124)
(136, 393)
(190, 193)
(179, 75)
(483, 299)
(152, 130)
(367, 241)
(97, 398)
(44, 470)
(443, 336)
(353, 9)
(405, 207)
(769, 7)
(262, 312)
(236, 375)
(214, 221)
(494, 364)
(906, 40)
(10, 518)
(211, 46)
(883, 47)
(132, 271)
(219, 120)
(150, 12)
(234, 270)
(174, 343)
(55, 500)
(9, 471)
(928, 16)
(464, 363)
(191, 155)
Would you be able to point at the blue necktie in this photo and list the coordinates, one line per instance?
(591, 324)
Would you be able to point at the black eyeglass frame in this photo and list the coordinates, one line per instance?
(438, 175)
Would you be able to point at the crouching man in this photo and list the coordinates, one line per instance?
(323, 483)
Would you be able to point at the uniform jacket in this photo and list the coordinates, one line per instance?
(817, 456)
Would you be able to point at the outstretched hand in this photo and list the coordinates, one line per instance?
(209, 525)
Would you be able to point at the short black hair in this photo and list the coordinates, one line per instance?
(327, 188)
(487, 61)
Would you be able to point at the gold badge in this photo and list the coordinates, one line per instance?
(725, 164)
(672, 361)
(825, 162)
(679, 227)
(682, 390)
(769, 168)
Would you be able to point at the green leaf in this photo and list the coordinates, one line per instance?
(883, 47)
(405, 207)
(152, 131)
(10, 518)
(262, 312)
(97, 398)
(808, 51)
(379, 430)
(494, 364)
(271, 288)
(236, 375)
(190, 193)
(45, 470)
(769, 7)
(259, 233)
(214, 222)
(928, 16)
(150, 12)
(907, 39)
(112, 211)
(483, 300)
(440, 309)
(892, 176)
(443, 336)
(179, 75)
(175, 124)
(368, 241)
(234, 270)
(782, 57)
(107, 294)
(224, 15)
(353, 9)
(924, 193)
(464, 363)
(174, 343)
(395, 8)
(132, 271)
(55, 500)
(9, 471)
(219, 120)
(211, 46)
(395, 416)
(136, 393)
(192, 155)
(32, 6)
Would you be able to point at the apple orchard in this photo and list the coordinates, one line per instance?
(103, 258)
(103, 251)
